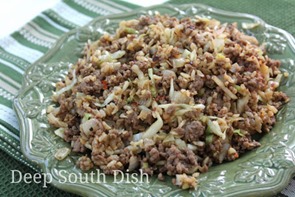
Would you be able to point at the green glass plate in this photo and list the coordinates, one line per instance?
(262, 172)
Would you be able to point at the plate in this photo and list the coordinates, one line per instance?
(264, 171)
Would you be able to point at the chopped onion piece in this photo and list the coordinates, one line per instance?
(185, 53)
(62, 153)
(180, 144)
(118, 54)
(125, 85)
(193, 55)
(199, 73)
(60, 132)
(108, 57)
(192, 147)
(185, 182)
(133, 163)
(177, 63)
(88, 126)
(218, 45)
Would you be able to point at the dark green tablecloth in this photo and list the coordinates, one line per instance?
(277, 13)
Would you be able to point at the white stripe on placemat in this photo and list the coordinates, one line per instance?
(9, 133)
(146, 3)
(10, 45)
(105, 6)
(70, 14)
(92, 7)
(33, 39)
(12, 66)
(11, 81)
(8, 87)
(43, 31)
(97, 7)
(117, 5)
(21, 63)
(8, 116)
(54, 24)
(39, 35)
(7, 95)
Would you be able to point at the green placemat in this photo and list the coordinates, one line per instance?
(25, 46)
(277, 13)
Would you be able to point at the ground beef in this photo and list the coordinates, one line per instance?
(90, 85)
(179, 162)
(193, 131)
(154, 155)
(197, 84)
(241, 144)
(76, 145)
(85, 163)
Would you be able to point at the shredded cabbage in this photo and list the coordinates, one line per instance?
(56, 121)
(107, 101)
(86, 117)
(242, 102)
(222, 86)
(213, 127)
(67, 88)
(239, 132)
(154, 128)
(185, 106)
(250, 25)
(171, 91)
(153, 88)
